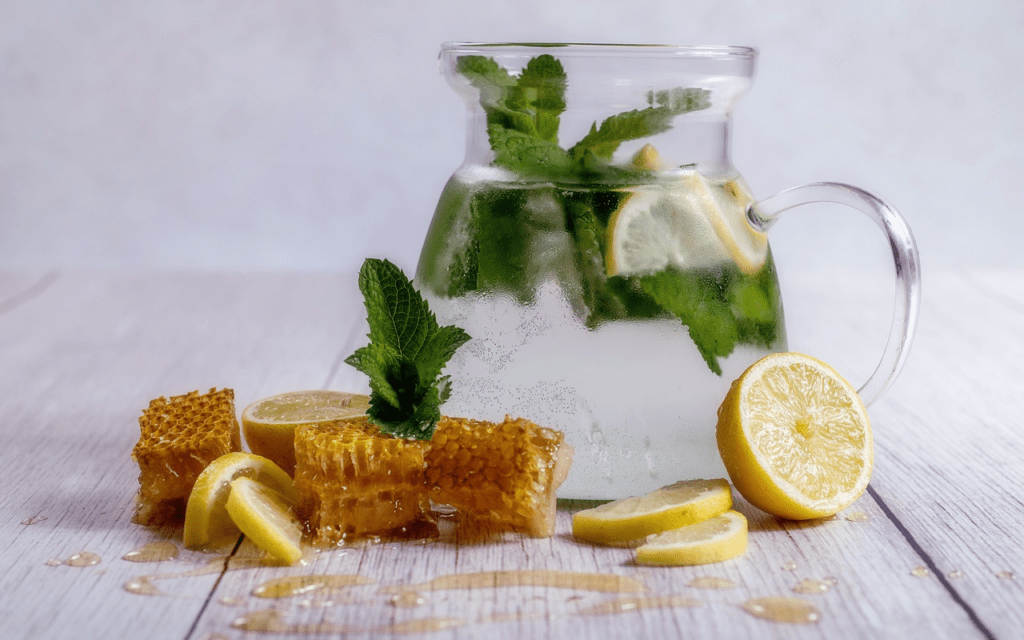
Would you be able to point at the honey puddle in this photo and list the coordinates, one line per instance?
(603, 582)
(779, 609)
(711, 582)
(143, 585)
(152, 552)
(637, 603)
(407, 599)
(290, 586)
(271, 621)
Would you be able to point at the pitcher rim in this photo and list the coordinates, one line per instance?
(722, 52)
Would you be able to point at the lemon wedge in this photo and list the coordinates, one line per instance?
(671, 507)
(269, 424)
(267, 517)
(207, 522)
(720, 538)
(795, 437)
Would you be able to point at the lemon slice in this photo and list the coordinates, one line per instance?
(747, 246)
(269, 424)
(671, 507)
(795, 437)
(266, 517)
(720, 538)
(207, 522)
(664, 224)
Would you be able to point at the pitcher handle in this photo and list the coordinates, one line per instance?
(765, 213)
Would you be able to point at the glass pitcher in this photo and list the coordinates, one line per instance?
(609, 261)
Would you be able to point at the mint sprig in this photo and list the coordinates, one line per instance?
(523, 115)
(406, 353)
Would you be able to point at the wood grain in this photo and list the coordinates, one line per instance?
(82, 353)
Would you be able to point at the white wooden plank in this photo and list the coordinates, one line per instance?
(79, 362)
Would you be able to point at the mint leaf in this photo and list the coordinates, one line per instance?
(695, 297)
(406, 354)
(540, 93)
(527, 154)
(632, 125)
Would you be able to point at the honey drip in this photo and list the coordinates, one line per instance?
(290, 586)
(83, 559)
(271, 621)
(33, 520)
(780, 609)
(711, 582)
(152, 552)
(920, 572)
(812, 587)
(603, 582)
(143, 585)
(637, 603)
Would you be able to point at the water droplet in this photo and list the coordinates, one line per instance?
(781, 609)
(830, 581)
(711, 582)
(33, 520)
(1005, 575)
(811, 587)
(53, 562)
(858, 516)
(789, 566)
(231, 601)
(954, 574)
(920, 572)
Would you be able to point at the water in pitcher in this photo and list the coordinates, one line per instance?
(616, 314)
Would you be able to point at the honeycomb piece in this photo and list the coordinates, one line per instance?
(355, 482)
(180, 436)
(503, 473)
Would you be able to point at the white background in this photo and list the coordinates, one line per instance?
(288, 136)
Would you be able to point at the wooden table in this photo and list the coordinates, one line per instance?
(940, 553)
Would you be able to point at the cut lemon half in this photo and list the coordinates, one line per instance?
(269, 424)
(677, 505)
(207, 522)
(795, 437)
(267, 517)
(720, 538)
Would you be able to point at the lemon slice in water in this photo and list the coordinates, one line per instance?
(720, 538)
(795, 437)
(207, 522)
(269, 424)
(671, 507)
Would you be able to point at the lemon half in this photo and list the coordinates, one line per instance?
(795, 437)
(269, 424)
